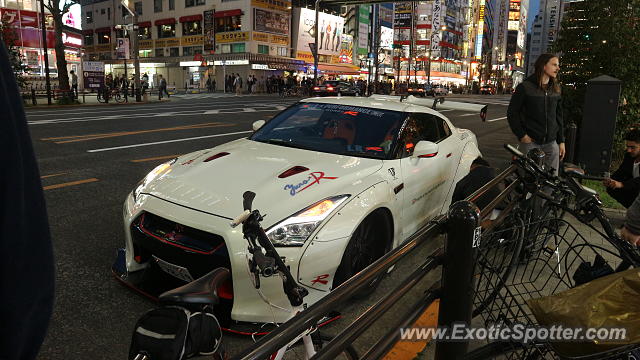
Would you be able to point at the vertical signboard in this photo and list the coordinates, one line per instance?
(500, 38)
(363, 30)
(522, 29)
(122, 48)
(480, 30)
(552, 23)
(346, 51)
(209, 32)
(436, 23)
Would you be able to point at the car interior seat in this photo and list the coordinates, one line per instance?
(341, 129)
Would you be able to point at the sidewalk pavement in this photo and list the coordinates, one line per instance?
(89, 99)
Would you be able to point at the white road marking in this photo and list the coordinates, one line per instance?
(167, 141)
(249, 110)
(161, 114)
(501, 118)
(471, 114)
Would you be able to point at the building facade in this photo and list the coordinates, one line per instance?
(188, 41)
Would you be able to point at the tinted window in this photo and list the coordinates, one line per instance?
(419, 127)
(332, 83)
(334, 128)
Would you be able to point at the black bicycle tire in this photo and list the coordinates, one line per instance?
(515, 258)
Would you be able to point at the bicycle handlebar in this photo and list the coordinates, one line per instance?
(240, 218)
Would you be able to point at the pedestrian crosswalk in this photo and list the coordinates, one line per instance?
(202, 95)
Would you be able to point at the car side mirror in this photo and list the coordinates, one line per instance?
(425, 149)
(258, 124)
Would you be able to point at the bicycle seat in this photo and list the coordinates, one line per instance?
(203, 290)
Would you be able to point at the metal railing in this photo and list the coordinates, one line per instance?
(455, 289)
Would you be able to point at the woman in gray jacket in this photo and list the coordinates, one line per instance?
(535, 111)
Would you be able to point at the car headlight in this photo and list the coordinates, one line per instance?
(295, 230)
(159, 170)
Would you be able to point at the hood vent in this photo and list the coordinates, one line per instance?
(218, 155)
(293, 171)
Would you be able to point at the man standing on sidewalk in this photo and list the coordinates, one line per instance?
(74, 84)
(162, 87)
(624, 184)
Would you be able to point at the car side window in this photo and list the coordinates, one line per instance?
(419, 127)
(444, 129)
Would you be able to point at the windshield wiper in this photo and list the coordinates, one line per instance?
(364, 154)
(282, 143)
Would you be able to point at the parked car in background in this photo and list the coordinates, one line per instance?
(333, 88)
(418, 89)
(487, 90)
(439, 90)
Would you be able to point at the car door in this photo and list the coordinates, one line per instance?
(451, 147)
(424, 179)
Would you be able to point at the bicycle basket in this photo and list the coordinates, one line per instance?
(521, 261)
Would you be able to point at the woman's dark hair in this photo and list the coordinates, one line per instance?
(539, 68)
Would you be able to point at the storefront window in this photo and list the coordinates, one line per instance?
(189, 3)
(89, 17)
(263, 49)
(226, 48)
(166, 31)
(237, 48)
(146, 53)
(191, 50)
(104, 38)
(174, 51)
(229, 23)
(191, 28)
(144, 33)
(282, 51)
(159, 52)
(88, 39)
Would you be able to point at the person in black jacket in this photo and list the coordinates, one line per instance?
(535, 112)
(480, 174)
(624, 184)
(26, 254)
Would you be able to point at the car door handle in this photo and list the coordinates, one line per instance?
(449, 154)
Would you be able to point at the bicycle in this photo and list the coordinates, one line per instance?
(263, 260)
(556, 265)
(106, 94)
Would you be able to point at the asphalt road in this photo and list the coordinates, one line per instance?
(91, 157)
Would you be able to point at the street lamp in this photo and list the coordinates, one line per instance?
(442, 28)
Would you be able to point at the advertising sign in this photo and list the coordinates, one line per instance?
(73, 17)
(386, 15)
(72, 40)
(93, 74)
(232, 36)
(363, 29)
(386, 37)
(478, 52)
(522, 30)
(346, 50)
(270, 22)
(280, 5)
(402, 16)
(329, 29)
(209, 32)
(122, 48)
(436, 23)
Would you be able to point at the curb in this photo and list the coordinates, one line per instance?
(44, 106)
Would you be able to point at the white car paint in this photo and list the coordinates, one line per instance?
(207, 195)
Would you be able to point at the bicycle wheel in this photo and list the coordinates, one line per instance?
(118, 98)
(498, 256)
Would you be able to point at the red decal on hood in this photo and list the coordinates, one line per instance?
(314, 178)
(320, 279)
(317, 175)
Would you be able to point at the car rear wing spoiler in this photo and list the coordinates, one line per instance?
(438, 103)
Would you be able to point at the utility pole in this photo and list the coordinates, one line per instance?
(46, 51)
(136, 60)
(316, 55)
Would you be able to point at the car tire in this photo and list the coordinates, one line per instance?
(369, 242)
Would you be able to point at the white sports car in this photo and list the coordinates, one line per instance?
(341, 181)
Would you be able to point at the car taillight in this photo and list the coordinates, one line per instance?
(316, 88)
(329, 89)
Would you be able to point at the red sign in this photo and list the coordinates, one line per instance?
(28, 19)
(9, 16)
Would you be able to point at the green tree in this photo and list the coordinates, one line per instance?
(9, 36)
(601, 38)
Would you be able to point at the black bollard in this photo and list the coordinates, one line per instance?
(463, 237)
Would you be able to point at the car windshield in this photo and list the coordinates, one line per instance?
(334, 128)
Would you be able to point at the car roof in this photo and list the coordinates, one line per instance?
(376, 103)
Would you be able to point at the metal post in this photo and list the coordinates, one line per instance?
(463, 235)
(317, 55)
(46, 51)
(126, 80)
(571, 142)
(136, 58)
